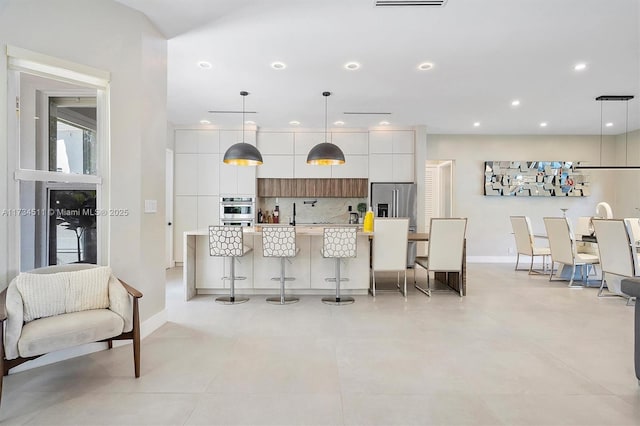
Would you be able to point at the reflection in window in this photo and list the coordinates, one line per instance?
(72, 135)
(72, 226)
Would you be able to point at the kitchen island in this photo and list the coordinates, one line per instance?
(203, 274)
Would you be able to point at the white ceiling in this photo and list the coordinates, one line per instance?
(485, 54)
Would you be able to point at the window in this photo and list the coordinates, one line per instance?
(57, 153)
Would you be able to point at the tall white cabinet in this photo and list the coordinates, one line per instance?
(201, 178)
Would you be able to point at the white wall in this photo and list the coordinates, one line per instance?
(109, 36)
(627, 182)
(489, 229)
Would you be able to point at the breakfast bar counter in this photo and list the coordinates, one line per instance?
(203, 274)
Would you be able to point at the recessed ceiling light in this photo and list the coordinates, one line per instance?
(476, 124)
(294, 123)
(515, 102)
(580, 67)
(425, 66)
(609, 124)
(384, 123)
(249, 122)
(205, 122)
(339, 123)
(352, 66)
(205, 65)
(543, 124)
(278, 65)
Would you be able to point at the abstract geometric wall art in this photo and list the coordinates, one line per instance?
(534, 179)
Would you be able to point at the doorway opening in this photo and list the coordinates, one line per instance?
(439, 189)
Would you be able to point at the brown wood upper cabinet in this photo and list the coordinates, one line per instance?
(339, 188)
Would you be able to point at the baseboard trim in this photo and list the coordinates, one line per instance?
(146, 328)
(152, 324)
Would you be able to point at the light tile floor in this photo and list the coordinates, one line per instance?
(518, 350)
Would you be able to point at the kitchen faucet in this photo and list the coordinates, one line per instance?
(293, 222)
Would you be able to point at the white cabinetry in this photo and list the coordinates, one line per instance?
(356, 143)
(186, 174)
(266, 268)
(355, 146)
(285, 154)
(276, 166)
(236, 180)
(185, 218)
(276, 143)
(201, 177)
(277, 152)
(391, 155)
(208, 210)
(303, 170)
(195, 141)
(208, 174)
(304, 142)
(351, 268)
(210, 273)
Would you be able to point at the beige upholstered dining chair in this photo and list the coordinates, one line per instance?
(525, 243)
(389, 251)
(563, 248)
(633, 226)
(633, 230)
(446, 248)
(616, 254)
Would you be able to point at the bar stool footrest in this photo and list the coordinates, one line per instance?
(228, 300)
(343, 300)
(276, 300)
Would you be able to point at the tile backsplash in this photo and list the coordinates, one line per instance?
(324, 210)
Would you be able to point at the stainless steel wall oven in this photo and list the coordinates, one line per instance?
(236, 211)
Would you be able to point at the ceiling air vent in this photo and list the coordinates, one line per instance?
(384, 3)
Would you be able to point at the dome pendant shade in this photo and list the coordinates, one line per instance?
(325, 154)
(243, 154)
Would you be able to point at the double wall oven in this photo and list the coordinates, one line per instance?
(237, 211)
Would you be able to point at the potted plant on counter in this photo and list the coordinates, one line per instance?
(362, 209)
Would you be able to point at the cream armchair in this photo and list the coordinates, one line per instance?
(59, 307)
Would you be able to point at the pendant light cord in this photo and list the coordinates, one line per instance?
(626, 137)
(601, 133)
(326, 113)
(243, 100)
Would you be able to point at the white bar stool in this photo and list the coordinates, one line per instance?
(280, 241)
(227, 241)
(338, 243)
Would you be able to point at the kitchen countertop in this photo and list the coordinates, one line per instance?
(300, 229)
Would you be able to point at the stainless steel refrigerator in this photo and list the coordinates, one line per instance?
(397, 200)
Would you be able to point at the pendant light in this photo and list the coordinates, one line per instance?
(325, 153)
(615, 98)
(242, 153)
